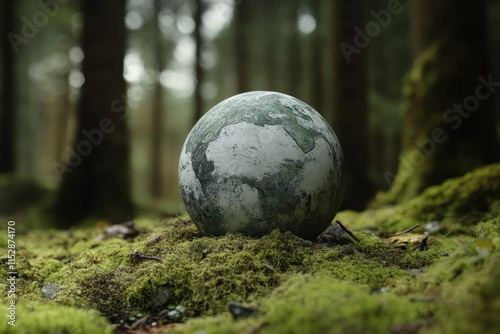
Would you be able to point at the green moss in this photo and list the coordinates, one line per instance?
(321, 304)
(49, 318)
(200, 273)
(298, 285)
(458, 204)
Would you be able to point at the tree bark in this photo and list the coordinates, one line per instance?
(7, 118)
(199, 72)
(269, 10)
(242, 23)
(156, 175)
(317, 59)
(449, 119)
(350, 104)
(294, 52)
(97, 186)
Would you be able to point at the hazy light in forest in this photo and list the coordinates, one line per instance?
(209, 90)
(76, 78)
(48, 66)
(288, 28)
(136, 3)
(185, 51)
(179, 82)
(209, 57)
(76, 55)
(135, 93)
(134, 67)
(166, 19)
(217, 17)
(185, 24)
(56, 62)
(306, 23)
(76, 23)
(133, 20)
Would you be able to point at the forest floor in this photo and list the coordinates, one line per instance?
(375, 276)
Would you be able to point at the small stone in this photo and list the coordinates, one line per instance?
(261, 161)
(432, 227)
(415, 272)
(238, 311)
(50, 290)
(162, 296)
(123, 230)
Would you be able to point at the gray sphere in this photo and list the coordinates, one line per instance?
(261, 161)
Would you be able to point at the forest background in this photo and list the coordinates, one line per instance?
(61, 75)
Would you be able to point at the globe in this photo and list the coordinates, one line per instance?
(261, 161)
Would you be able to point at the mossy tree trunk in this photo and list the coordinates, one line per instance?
(449, 119)
(95, 180)
(350, 103)
(6, 89)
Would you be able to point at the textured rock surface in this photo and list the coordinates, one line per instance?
(260, 161)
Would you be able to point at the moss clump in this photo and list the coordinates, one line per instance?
(200, 273)
(49, 318)
(460, 293)
(321, 304)
(457, 203)
(466, 285)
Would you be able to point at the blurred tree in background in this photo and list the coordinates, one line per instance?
(169, 61)
(7, 116)
(242, 20)
(350, 102)
(199, 71)
(449, 116)
(158, 105)
(95, 178)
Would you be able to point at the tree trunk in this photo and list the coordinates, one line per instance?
(198, 38)
(317, 59)
(62, 113)
(271, 25)
(7, 119)
(95, 180)
(449, 119)
(294, 53)
(350, 104)
(242, 22)
(156, 175)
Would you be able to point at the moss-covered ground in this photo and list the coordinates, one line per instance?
(170, 279)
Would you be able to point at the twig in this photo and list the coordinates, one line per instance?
(143, 256)
(407, 230)
(347, 231)
(110, 273)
